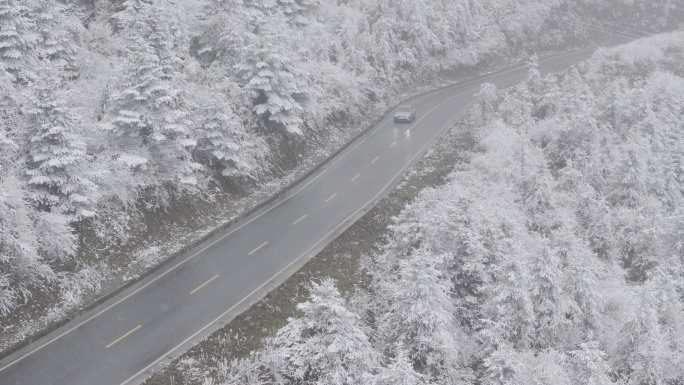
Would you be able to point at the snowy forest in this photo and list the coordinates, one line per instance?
(553, 256)
(113, 112)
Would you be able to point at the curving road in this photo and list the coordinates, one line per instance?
(124, 339)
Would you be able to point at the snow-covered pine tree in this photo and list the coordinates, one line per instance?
(27, 238)
(507, 366)
(55, 156)
(172, 145)
(420, 315)
(152, 126)
(126, 13)
(588, 365)
(327, 345)
(17, 39)
(175, 137)
(291, 8)
(21, 267)
(227, 147)
(298, 11)
(276, 88)
(55, 28)
(406, 35)
(651, 336)
(399, 371)
(144, 92)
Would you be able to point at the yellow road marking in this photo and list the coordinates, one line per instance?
(205, 283)
(303, 217)
(123, 337)
(261, 246)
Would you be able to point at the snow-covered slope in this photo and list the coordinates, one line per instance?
(116, 115)
(554, 256)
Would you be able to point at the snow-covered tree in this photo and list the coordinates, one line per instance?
(56, 31)
(227, 147)
(509, 367)
(276, 88)
(127, 13)
(294, 9)
(151, 123)
(327, 345)
(55, 157)
(17, 39)
(147, 91)
(651, 345)
(21, 267)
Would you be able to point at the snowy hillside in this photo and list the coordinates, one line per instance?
(115, 116)
(554, 256)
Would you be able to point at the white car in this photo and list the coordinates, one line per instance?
(404, 114)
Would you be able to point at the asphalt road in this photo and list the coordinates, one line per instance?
(119, 342)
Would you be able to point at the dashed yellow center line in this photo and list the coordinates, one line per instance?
(123, 337)
(205, 283)
(331, 198)
(261, 246)
(377, 158)
(355, 178)
(303, 217)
